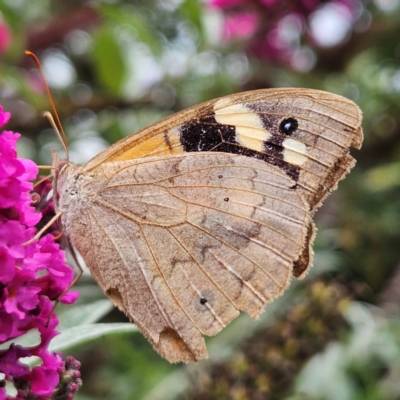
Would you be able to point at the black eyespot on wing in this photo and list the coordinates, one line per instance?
(203, 301)
(288, 126)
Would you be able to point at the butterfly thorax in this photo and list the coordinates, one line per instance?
(70, 187)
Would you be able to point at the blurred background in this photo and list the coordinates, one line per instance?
(116, 66)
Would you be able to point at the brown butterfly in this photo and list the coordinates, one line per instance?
(208, 212)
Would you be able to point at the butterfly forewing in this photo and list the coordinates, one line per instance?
(315, 154)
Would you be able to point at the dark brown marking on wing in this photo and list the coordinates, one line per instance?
(301, 265)
(167, 140)
(206, 134)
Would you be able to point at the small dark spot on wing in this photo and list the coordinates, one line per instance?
(206, 297)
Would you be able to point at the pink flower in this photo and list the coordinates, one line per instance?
(4, 117)
(240, 25)
(268, 2)
(10, 365)
(5, 37)
(32, 277)
(225, 3)
(58, 278)
(264, 23)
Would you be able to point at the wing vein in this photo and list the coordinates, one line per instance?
(127, 269)
(168, 285)
(237, 251)
(259, 295)
(245, 218)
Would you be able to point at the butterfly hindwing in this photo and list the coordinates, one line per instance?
(221, 239)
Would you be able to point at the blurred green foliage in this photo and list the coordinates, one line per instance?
(116, 66)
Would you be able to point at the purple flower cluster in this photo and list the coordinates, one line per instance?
(276, 29)
(32, 277)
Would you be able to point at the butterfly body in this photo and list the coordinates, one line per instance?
(208, 212)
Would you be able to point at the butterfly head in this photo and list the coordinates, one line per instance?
(64, 178)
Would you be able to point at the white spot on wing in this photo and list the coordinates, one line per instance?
(250, 132)
(295, 152)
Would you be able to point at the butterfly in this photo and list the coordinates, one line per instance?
(208, 212)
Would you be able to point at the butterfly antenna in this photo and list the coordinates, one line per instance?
(60, 134)
(57, 126)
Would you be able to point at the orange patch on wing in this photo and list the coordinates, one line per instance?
(152, 146)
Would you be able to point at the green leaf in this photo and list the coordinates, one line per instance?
(384, 177)
(29, 339)
(324, 376)
(90, 313)
(108, 60)
(193, 11)
(127, 16)
(84, 333)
